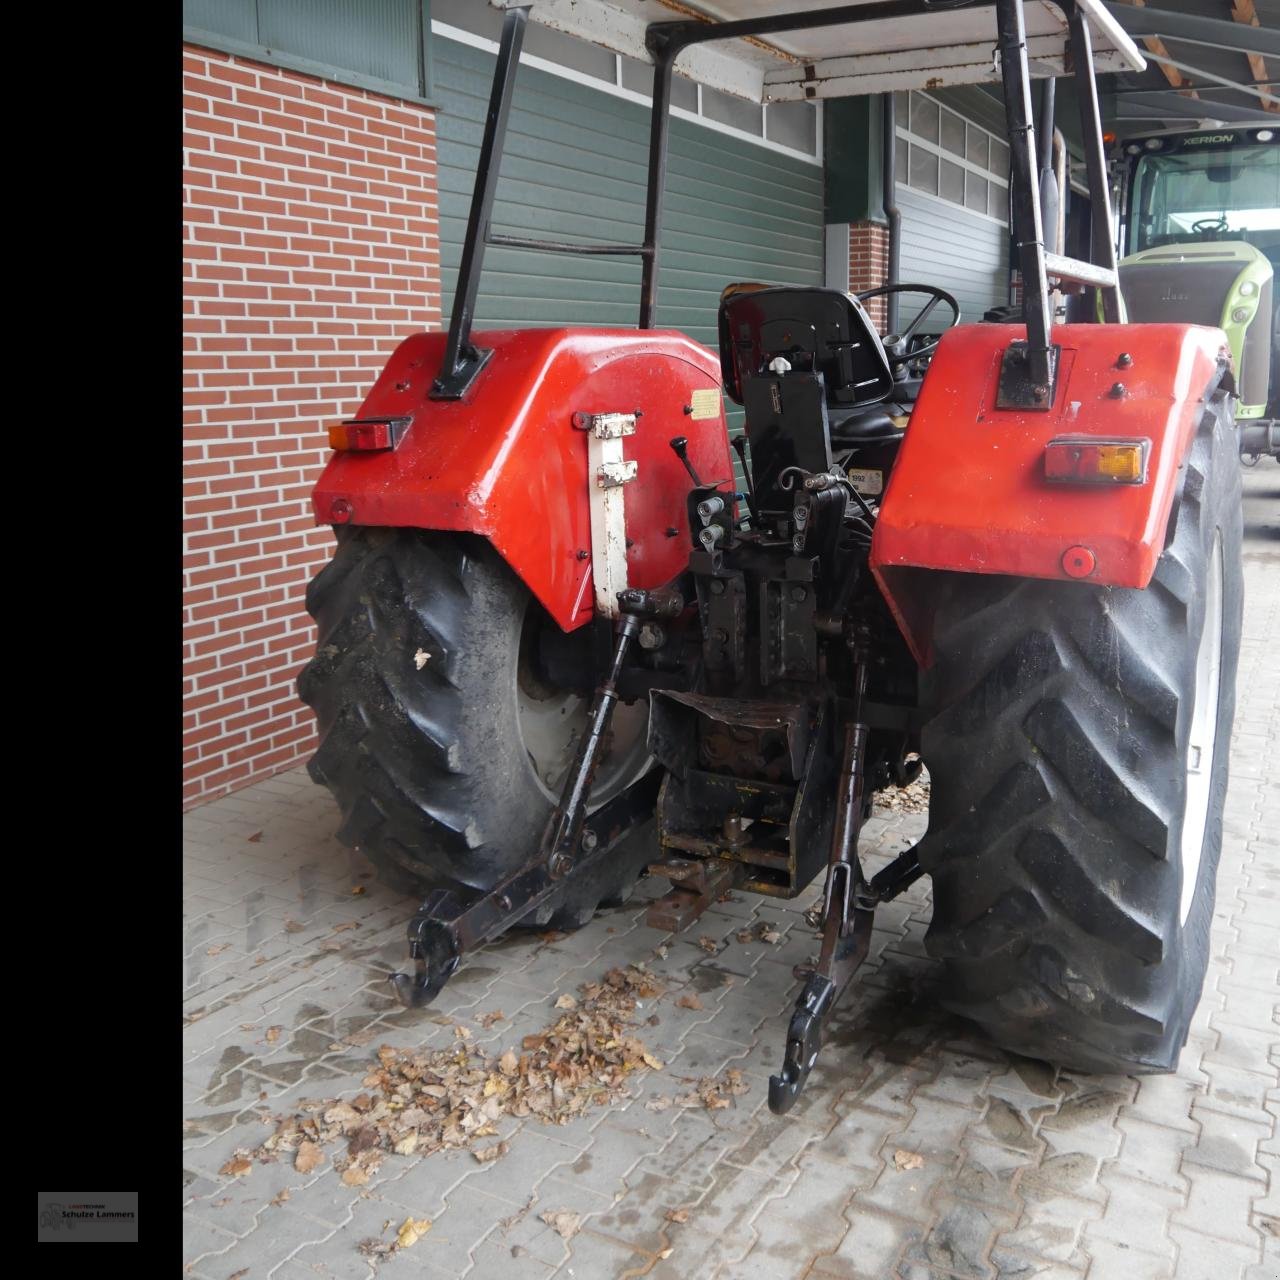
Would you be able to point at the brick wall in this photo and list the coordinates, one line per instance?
(869, 265)
(310, 250)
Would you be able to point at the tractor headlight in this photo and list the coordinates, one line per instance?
(1265, 135)
(1248, 288)
(1240, 315)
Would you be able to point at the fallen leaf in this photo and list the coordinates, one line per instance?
(462, 1033)
(253, 839)
(566, 1002)
(281, 1198)
(659, 1103)
(358, 890)
(651, 1061)
(239, 1275)
(331, 944)
(564, 1223)
(771, 936)
(488, 1019)
(508, 1063)
(236, 1167)
(421, 658)
(677, 1215)
(219, 949)
(908, 1159)
(273, 1034)
(411, 1231)
(406, 1145)
(355, 1176)
(292, 926)
(350, 924)
(689, 1001)
(486, 1155)
(309, 1157)
(248, 1026)
(709, 945)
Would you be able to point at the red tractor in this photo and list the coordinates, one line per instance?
(554, 615)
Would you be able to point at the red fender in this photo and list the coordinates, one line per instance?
(968, 492)
(507, 463)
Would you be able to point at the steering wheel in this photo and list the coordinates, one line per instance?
(897, 346)
(1210, 224)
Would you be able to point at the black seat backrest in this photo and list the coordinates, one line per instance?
(815, 330)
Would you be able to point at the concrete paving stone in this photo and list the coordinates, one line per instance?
(959, 1240)
(1164, 1101)
(908, 1192)
(724, 1216)
(1136, 1215)
(1202, 1257)
(495, 1259)
(1219, 1205)
(695, 1151)
(809, 1215)
(1009, 1264)
(279, 1235)
(1050, 1225)
(592, 1254)
(871, 1248)
(858, 1136)
(1119, 1261)
(1227, 1144)
(639, 1217)
(1153, 1152)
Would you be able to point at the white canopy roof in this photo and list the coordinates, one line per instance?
(942, 47)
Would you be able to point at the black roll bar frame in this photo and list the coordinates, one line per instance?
(1030, 377)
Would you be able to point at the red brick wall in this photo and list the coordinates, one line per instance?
(311, 249)
(869, 264)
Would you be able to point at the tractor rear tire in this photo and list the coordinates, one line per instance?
(1077, 732)
(441, 740)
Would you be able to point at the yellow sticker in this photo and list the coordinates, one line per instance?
(705, 404)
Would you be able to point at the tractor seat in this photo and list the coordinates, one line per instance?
(814, 330)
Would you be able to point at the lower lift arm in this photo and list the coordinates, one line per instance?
(848, 911)
(446, 926)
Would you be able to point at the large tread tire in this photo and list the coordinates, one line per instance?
(1057, 755)
(414, 689)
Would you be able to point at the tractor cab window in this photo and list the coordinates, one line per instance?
(1212, 194)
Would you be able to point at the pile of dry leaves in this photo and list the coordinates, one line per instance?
(422, 1100)
(913, 798)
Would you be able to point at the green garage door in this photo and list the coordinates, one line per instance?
(574, 168)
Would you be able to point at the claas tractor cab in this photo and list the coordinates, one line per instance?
(1200, 231)
(563, 642)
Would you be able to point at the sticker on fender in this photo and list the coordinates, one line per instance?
(704, 404)
(866, 482)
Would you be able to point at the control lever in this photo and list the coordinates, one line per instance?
(739, 443)
(680, 446)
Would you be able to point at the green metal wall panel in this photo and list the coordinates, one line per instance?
(374, 44)
(574, 168)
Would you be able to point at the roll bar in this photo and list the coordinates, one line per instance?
(1028, 376)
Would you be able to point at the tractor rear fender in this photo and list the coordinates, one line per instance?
(968, 491)
(507, 462)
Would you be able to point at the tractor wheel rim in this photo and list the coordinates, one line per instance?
(1202, 739)
(552, 722)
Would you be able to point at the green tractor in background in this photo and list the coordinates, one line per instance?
(1200, 228)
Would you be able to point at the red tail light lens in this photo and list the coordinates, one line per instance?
(1091, 460)
(367, 435)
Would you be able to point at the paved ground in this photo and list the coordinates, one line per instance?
(1025, 1171)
